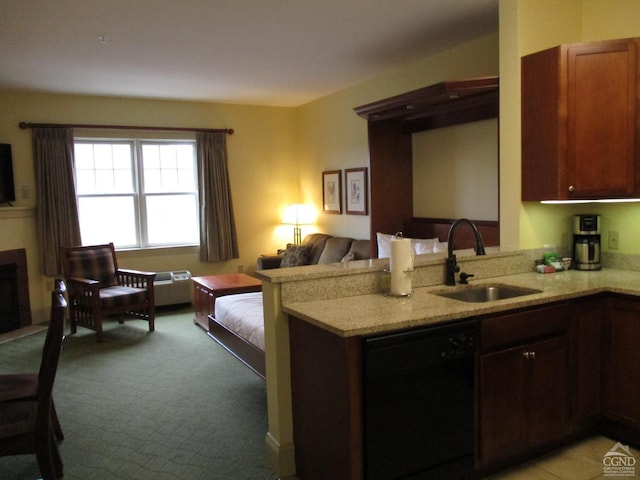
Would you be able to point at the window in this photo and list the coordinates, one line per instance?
(137, 193)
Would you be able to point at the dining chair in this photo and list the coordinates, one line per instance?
(99, 289)
(24, 386)
(26, 425)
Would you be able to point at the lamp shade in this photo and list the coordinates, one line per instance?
(298, 214)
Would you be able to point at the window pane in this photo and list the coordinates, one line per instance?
(104, 168)
(168, 167)
(172, 219)
(107, 219)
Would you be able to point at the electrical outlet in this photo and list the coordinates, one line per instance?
(614, 240)
(240, 268)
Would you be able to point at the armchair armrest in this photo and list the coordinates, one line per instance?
(267, 262)
(135, 278)
(82, 284)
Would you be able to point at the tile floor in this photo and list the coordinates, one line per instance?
(579, 461)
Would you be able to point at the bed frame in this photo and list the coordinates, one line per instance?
(237, 346)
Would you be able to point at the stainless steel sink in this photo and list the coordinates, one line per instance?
(485, 293)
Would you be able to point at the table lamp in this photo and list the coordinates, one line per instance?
(298, 214)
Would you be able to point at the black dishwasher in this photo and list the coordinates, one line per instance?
(418, 403)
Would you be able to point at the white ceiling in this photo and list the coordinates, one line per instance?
(264, 52)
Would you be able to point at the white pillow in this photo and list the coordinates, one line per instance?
(420, 245)
(440, 247)
(423, 245)
(384, 244)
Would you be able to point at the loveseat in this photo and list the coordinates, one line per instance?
(318, 248)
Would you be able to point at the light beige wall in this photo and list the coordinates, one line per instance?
(331, 136)
(262, 167)
(527, 26)
(459, 167)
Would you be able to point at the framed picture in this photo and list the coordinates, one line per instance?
(356, 191)
(332, 191)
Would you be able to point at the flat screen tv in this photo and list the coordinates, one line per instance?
(7, 189)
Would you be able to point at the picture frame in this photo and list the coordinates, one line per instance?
(332, 191)
(356, 191)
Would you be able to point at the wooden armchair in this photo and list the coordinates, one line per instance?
(99, 289)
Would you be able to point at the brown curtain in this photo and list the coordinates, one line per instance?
(56, 208)
(218, 239)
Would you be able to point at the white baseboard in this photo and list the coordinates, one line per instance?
(281, 458)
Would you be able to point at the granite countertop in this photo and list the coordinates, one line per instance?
(376, 313)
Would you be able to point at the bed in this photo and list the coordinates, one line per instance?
(238, 325)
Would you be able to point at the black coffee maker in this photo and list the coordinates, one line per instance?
(586, 242)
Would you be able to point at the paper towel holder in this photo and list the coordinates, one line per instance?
(407, 270)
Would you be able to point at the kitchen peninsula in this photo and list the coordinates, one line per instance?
(587, 322)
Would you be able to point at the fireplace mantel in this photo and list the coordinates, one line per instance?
(17, 212)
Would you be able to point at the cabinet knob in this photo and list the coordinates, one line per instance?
(571, 188)
(529, 355)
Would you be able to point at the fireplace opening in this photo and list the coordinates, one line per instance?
(15, 306)
(9, 306)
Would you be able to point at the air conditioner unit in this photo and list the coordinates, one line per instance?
(172, 288)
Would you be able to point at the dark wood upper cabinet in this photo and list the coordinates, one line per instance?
(580, 121)
(390, 124)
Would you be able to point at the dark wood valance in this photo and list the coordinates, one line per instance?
(436, 106)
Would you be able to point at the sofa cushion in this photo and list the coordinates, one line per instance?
(361, 249)
(316, 241)
(335, 249)
(295, 256)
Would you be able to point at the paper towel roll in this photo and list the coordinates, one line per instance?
(401, 266)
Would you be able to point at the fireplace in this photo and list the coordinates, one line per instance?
(15, 310)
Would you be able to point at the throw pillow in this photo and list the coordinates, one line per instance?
(348, 257)
(295, 256)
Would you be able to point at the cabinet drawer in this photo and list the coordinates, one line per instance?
(512, 328)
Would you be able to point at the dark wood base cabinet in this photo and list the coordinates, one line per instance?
(545, 375)
(523, 374)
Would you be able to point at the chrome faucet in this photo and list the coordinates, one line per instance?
(452, 265)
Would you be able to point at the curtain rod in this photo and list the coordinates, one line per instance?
(25, 125)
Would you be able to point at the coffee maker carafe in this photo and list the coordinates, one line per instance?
(586, 242)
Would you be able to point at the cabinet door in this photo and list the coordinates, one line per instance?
(579, 121)
(547, 405)
(586, 344)
(502, 388)
(622, 392)
(601, 119)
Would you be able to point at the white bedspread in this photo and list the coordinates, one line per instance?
(243, 314)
